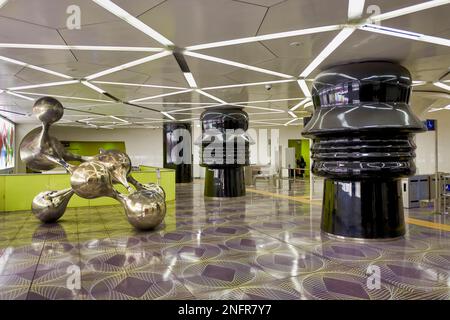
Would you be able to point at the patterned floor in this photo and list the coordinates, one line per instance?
(255, 247)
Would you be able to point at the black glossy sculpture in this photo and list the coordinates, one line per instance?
(224, 150)
(179, 159)
(363, 130)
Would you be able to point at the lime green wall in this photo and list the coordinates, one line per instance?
(17, 191)
(91, 148)
(301, 148)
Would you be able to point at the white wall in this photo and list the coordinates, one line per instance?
(425, 159)
(144, 146)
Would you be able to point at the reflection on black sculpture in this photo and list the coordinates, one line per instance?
(221, 128)
(179, 159)
(95, 177)
(363, 132)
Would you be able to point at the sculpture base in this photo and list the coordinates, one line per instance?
(367, 209)
(228, 182)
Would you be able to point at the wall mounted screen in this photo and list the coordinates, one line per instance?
(6, 144)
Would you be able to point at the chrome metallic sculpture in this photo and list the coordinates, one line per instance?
(95, 177)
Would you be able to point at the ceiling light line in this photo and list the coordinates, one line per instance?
(210, 96)
(138, 85)
(259, 108)
(304, 88)
(19, 95)
(442, 85)
(161, 95)
(129, 65)
(408, 10)
(190, 79)
(177, 103)
(333, 45)
(269, 100)
(248, 84)
(135, 22)
(63, 97)
(93, 87)
(81, 48)
(195, 108)
(355, 9)
(292, 114)
(298, 105)
(235, 64)
(404, 34)
(119, 119)
(290, 121)
(43, 85)
(30, 66)
(168, 115)
(265, 37)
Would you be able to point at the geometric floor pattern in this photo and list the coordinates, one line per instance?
(254, 247)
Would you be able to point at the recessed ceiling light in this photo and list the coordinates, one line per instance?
(248, 84)
(290, 121)
(442, 85)
(235, 64)
(304, 87)
(138, 85)
(19, 95)
(355, 9)
(293, 115)
(30, 66)
(135, 22)
(336, 42)
(42, 85)
(271, 36)
(298, 105)
(161, 95)
(129, 65)
(64, 97)
(190, 79)
(93, 87)
(210, 96)
(69, 47)
(407, 10)
(168, 115)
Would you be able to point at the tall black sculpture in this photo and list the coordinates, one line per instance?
(224, 150)
(363, 131)
(176, 135)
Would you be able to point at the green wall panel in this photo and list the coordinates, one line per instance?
(17, 191)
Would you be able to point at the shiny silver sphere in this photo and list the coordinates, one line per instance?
(49, 206)
(92, 180)
(144, 209)
(48, 110)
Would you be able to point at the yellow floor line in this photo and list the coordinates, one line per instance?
(428, 224)
(305, 199)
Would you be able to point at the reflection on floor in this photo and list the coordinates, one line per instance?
(259, 246)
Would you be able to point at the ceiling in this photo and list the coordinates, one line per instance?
(138, 63)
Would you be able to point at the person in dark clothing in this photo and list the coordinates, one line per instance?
(301, 163)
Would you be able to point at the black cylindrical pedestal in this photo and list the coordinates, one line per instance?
(175, 135)
(228, 182)
(363, 131)
(366, 209)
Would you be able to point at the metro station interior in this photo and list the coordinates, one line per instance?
(224, 150)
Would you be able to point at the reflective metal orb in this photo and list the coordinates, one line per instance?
(49, 206)
(144, 209)
(118, 163)
(48, 110)
(92, 180)
(153, 187)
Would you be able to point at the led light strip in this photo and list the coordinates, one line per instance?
(290, 121)
(278, 35)
(304, 87)
(69, 47)
(93, 87)
(292, 114)
(270, 100)
(19, 95)
(441, 85)
(30, 66)
(138, 85)
(43, 85)
(405, 34)
(161, 95)
(135, 22)
(408, 10)
(64, 97)
(210, 96)
(168, 115)
(129, 65)
(190, 79)
(248, 84)
(235, 64)
(336, 42)
(355, 9)
(298, 105)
